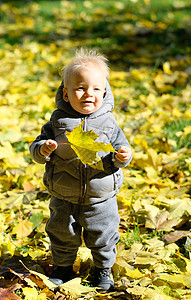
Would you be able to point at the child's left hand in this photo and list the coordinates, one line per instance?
(124, 153)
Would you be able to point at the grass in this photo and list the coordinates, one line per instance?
(132, 236)
(173, 129)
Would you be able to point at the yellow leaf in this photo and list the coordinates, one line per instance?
(188, 161)
(32, 294)
(154, 158)
(179, 207)
(187, 130)
(172, 143)
(72, 287)
(30, 282)
(42, 296)
(35, 253)
(83, 256)
(175, 280)
(136, 75)
(141, 142)
(3, 84)
(138, 180)
(188, 264)
(11, 134)
(41, 278)
(159, 220)
(145, 258)
(154, 243)
(16, 161)
(75, 288)
(12, 201)
(133, 273)
(83, 143)
(166, 68)
(6, 150)
(187, 114)
(124, 200)
(11, 248)
(44, 102)
(120, 266)
(3, 227)
(176, 112)
(137, 290)
(118, 75)
(151, 172)
(156, 294)
(23, 229)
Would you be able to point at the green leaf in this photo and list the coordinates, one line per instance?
(85, 145)
(36, 219)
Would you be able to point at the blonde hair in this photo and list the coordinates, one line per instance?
(85, 58)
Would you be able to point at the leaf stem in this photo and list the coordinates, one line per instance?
(63, 144)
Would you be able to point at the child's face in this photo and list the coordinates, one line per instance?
(86, 90)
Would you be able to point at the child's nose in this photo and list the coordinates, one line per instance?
(89, 92)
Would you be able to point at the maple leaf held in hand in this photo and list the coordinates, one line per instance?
(83, 143)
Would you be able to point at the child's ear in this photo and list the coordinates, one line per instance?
(65, 95)
(104, 93)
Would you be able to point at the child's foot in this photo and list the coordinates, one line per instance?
(103, 279)
(61, 275)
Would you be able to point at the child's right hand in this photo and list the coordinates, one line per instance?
(48, 147)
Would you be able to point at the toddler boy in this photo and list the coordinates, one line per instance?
(83, 197)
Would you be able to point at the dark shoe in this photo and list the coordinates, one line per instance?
(103, 279)
(61, 275)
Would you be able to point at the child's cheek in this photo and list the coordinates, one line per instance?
(78, 94)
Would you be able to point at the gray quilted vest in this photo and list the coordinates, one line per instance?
(66, 177)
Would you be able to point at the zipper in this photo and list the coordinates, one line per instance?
(83, 171)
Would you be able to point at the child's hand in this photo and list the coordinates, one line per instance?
(124, 153)
(48, 147)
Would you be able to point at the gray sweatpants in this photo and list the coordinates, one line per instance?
(99, 222)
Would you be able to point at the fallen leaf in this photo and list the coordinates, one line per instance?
(172, 237)
(179, 207)
(75, 288)
(23, 228)
(146, 258)
(176, 280)
(133, 273)
(160, 221)
(32, 294)
(8, 294)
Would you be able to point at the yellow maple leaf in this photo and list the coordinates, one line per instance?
(85, 145)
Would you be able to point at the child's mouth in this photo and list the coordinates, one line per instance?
(87, 102)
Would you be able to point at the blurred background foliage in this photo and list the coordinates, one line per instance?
(148, 46)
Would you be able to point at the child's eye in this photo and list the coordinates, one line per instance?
(97, 89)
(80, 88)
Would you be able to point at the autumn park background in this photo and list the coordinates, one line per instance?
(148, 44)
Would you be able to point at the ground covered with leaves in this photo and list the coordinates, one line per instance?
(148, 46)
